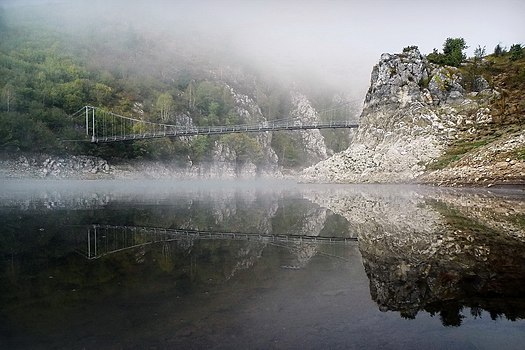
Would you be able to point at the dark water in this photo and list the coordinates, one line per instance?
(176, 265)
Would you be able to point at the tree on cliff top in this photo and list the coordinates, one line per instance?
(452, 54)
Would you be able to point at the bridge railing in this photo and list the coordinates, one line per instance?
(106, 126)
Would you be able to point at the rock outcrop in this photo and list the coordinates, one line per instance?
(312, 140)
(54, 167)
(226, 160)
(412, 110)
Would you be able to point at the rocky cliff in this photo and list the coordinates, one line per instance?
(412, 112)
(311, 140)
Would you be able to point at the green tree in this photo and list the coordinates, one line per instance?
(199, 147)
(516, 52)
(164, 106)
(102, 94)
(410, 48)
(245, 147)
(213, 102)
(289, 150)
(453, 51)
(8, 96)
(479, 53)
(499, 51)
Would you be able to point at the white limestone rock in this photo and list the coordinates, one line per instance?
(312, 140)
(404, 125)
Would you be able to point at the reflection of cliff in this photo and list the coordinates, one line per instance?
(501, 211)
(54, 200)
(438, 250)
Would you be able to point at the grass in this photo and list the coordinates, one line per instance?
(519, 153)
(455, 152)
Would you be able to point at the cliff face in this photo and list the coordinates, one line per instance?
(311, 140)
(412, 110)
(225, 160)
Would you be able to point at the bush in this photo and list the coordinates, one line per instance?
(410, 48)
(516, 52)
(436, 57)
(479, 53)
(499, 51)
(452, 54)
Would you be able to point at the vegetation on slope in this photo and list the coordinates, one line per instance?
(47, 73)
(505, 72)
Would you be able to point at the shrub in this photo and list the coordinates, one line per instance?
(410, 48)
(479, 53)
(452, 54)
(436, 57)
(453, 51)
(499, 51)
(516, 52)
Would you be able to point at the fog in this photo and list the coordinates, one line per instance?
(331, 43)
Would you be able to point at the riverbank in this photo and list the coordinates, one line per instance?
(81, 167)
(498, 172)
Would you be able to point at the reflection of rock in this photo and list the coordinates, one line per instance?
(436, 250)
(504, 214)
(313, 222)
(53, 200)
(309, 221)
(377, 214)
(302, 254)
(247, 255)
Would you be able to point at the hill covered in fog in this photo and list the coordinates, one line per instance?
(56, 58)
(438, 118)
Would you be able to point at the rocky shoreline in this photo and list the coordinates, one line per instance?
(44, 166)
(81, 167)
(471, 173)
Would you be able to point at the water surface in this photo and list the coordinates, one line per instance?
(109, 265)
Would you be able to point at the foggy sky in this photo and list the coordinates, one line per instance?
(335, 41)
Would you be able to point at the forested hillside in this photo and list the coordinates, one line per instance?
(51, 66)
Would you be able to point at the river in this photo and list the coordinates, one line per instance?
(259, 264)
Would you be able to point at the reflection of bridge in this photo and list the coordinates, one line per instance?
(103, 240)
(104, 126)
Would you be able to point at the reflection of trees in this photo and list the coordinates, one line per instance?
(437, 250)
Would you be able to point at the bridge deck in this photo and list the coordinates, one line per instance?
(220, 130)
(102, 126)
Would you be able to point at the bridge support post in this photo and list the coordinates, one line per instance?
(93, 127)
(87, 121)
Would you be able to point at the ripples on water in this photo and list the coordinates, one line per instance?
(260, 265)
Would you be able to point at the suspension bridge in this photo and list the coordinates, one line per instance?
(102, 126)
(102, 240)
